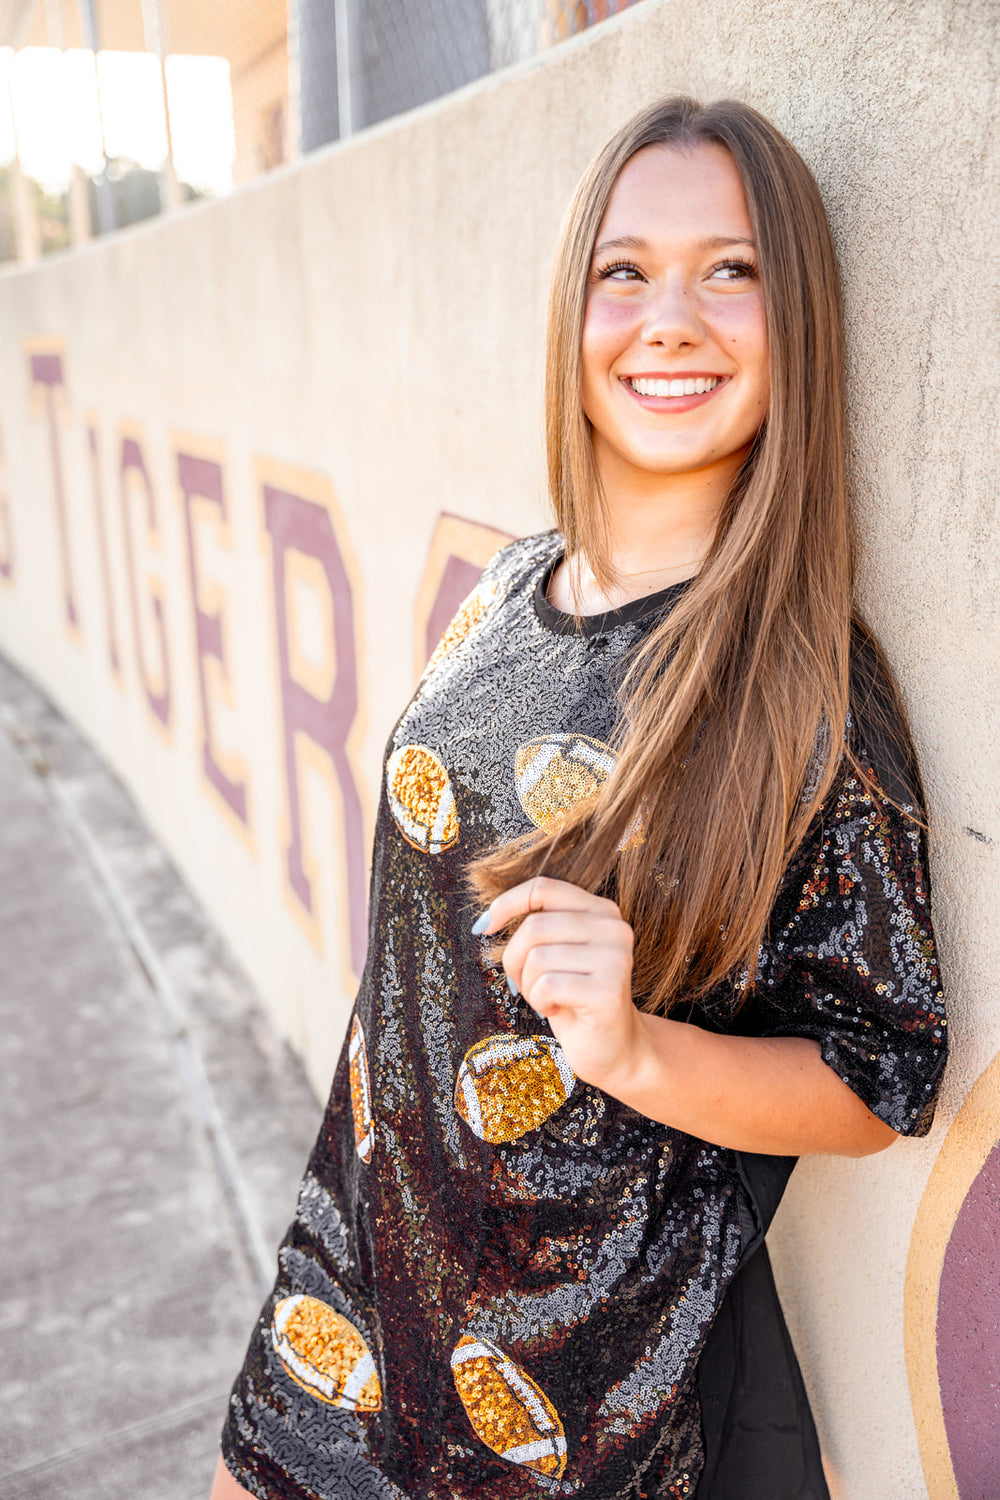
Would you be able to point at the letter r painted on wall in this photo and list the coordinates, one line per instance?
(319, 703)
(48, 382)
(200, 479)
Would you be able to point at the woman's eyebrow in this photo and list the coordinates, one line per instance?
(626, 242)
(720, 241)
(708, 242)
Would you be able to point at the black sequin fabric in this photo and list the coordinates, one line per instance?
(499, 1280)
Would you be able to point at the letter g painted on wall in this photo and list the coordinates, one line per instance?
(135, 479)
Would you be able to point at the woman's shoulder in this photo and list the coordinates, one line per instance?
(878, 730)
(522, 555)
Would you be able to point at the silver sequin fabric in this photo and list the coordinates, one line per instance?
(505, 1277)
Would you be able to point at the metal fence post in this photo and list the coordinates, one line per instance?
(152, 26)
(350, 107)
(106, 217)
(315, 72)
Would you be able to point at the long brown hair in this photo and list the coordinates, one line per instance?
(734, 707)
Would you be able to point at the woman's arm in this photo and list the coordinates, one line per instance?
(225, 1487)
(770, 1094)
(571, 958)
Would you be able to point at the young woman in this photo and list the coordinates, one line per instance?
(527, 1256)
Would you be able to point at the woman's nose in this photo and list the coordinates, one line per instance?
(672, 316)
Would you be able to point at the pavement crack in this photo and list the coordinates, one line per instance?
(176, 1416)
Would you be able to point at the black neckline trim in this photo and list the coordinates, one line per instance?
(626, 614)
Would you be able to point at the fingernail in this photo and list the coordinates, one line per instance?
(512, 987)
(480, 925)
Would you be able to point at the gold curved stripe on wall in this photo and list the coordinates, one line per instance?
(966, 1147)
(458, 552)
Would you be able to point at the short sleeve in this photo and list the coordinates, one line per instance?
(850, 958)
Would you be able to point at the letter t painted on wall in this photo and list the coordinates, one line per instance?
(47, 375)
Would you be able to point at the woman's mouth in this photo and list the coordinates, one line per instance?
(672, 387)
(672, 395)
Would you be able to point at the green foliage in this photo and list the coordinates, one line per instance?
(135, 194)
(52, 210)
(8, 238)
(53, 218)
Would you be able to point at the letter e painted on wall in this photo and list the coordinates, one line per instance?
(200, 481)
(319, 697)
(136, 486)
(48, 383)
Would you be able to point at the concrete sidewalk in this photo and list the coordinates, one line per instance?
(154, 1129)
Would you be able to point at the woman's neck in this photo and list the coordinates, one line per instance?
(660, 528)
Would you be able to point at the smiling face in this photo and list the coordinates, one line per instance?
(674, 348)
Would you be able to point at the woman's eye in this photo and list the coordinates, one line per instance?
(620, 270)
(734, 270)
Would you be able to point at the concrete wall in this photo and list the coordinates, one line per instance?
(252, 455)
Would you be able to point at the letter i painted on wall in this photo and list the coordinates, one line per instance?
(6, 534)
(201, 486)
(48, 383)
(319, 705)
(100, 526)
(134, 477)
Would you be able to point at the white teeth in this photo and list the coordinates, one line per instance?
(689, 387)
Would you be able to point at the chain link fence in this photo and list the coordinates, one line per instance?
(357, 62)
(113, 110)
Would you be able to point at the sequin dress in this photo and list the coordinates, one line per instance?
(499, 1281)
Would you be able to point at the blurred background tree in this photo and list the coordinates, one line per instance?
(135, 192)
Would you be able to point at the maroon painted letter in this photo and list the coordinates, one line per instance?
(203, 477)
(47, 372)
(133, 462)
(305, 526)
(102, 548)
